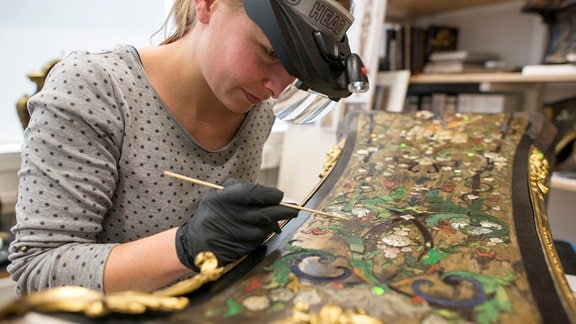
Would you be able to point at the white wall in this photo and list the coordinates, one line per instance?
(32, 32)
(304, 153)
(9, 165)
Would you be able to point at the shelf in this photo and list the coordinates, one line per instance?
(494, 77)
(530, 86)
(563, 183)
(415, 8)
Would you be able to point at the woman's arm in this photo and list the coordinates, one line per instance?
(144, 265)
(68, 180)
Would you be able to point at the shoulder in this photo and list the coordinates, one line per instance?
(89, 88)
(117, 56)
(107, 77)
(107, 64)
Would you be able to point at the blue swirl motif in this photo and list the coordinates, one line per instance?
(323, 263)
(479, 295)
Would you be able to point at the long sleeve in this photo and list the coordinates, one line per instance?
(67, 180)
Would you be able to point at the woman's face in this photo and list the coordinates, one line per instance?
(242, 68)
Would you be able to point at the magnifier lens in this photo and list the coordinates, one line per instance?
(318, 109)
(301, 106)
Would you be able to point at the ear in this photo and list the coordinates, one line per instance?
(203, 10)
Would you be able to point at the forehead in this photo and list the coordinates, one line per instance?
(245, 24)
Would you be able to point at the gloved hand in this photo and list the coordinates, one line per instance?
(231, 222)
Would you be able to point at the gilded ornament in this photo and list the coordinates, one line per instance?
(539, 170)
(328, 314)
(91, 303)
(331, 158)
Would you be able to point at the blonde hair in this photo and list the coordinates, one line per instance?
(183, 17)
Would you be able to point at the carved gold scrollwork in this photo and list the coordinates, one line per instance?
(329, 313)
(209, 271)
(539, 172)
(331, 158)
(95, 304)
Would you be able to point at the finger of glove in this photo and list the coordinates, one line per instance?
(234, 228)
(231, 181)
(245, 193)
(270, 214)
(226, 242)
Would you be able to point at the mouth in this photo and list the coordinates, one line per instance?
(251, 98)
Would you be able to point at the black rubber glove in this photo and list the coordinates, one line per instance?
(231, 222)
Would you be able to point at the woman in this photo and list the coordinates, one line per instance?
(95, 209)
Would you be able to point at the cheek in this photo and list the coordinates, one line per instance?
(221, 66)
(233, 61)
(247, 63)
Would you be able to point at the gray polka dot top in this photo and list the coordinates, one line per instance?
(93, 159)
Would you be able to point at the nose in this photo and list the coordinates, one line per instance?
(278, 80)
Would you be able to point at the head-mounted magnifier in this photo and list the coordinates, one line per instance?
(309, 38)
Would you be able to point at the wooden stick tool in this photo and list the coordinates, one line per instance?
(215, 186)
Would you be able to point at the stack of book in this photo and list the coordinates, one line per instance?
(407, 46)
(549, 69)
(461, 61)
(488, 103)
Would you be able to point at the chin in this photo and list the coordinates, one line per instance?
(239, 105)
(240, 108)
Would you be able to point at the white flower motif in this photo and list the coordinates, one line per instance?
(488, 224)
(256, 303)
(397, 240)
(494, 241)
(310, 297)
(360, 212)
(460, 223)
(479, 231)
(390, 252)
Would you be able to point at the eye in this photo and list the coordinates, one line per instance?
(271, 53)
